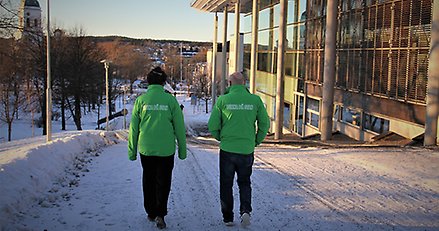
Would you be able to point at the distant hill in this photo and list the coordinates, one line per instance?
(135, 41)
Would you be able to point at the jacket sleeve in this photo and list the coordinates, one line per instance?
(179, 129)
(133, 135)
(214, 124)
(263, 122)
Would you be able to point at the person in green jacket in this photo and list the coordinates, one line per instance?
(156, 122)
(233, 122)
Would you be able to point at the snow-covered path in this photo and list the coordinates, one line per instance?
(294, 188)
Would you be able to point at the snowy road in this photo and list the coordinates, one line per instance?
(294, 188)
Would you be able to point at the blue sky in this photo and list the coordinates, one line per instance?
(156, 19)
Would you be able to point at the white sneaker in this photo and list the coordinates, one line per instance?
(245, 219)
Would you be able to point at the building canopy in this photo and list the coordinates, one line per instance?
(218, 5)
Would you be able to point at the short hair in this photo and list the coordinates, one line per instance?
(237, 78)
(156, 76)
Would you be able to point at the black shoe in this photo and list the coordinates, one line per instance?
(228, 222)
(151, 218)
(160, 221)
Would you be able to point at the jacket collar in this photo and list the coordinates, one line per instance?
(238, 88)
(155, 87)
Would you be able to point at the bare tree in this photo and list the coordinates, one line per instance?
(8, 18)
(83, 72)
(129, 61)
(11, 77)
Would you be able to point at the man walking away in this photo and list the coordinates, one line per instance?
(233, 122)
(156, 122)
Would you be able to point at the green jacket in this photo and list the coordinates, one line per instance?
(233, 119)
(156, 121)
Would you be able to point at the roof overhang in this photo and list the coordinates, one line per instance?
(219, 5)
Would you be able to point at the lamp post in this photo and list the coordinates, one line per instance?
(107, 102)
(124, 109)
(48, 90)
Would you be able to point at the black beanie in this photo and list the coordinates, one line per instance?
(156, 76)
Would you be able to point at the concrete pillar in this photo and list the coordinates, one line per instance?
(329, 71)
(224, 54)
(431, 122)
(214, 51)
(237, 21)
(280, 90)
(254, 49)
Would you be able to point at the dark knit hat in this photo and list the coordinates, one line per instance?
(156, 76)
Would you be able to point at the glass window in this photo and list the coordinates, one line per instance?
(268, 40)
(337, 112)
(275, 39)
(302, 37)
(263, 62)
(314, 120)
(290, 64)
(302, 10)
(313, 108)
(287, 114)
(301, 66)
(313, 104)
(247, 41)
(351, 116)
(292, 37)
(264, 19)
(292, 16)
(273, 62)
(263, 40)
(246, 61)
(246, 23)
(376, 124)
(276, 15)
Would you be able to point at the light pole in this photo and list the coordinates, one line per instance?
(107, 102)
(124, 109)
(48, 90)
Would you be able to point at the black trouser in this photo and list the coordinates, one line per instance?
(156, 181)
(242, 165)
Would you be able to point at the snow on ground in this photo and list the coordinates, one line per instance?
(84, 181)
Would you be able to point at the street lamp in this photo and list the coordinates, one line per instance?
(48, 90)
(124, 109)
(107, 102)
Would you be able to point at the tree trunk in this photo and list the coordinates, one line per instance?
(77, 116)
(43, 116)
(63, 112)
(9, 130)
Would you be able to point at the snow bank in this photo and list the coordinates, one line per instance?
(30, 170)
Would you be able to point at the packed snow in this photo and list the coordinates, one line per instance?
(83, 180)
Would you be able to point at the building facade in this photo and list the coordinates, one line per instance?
(30, 18)
(381, 63)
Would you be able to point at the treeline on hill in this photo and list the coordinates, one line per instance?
(140, 42)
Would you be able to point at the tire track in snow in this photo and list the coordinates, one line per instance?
(193, 197)
(310, 191)
(383, 194)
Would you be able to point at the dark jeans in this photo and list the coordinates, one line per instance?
(242, 165)
(156, 181)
